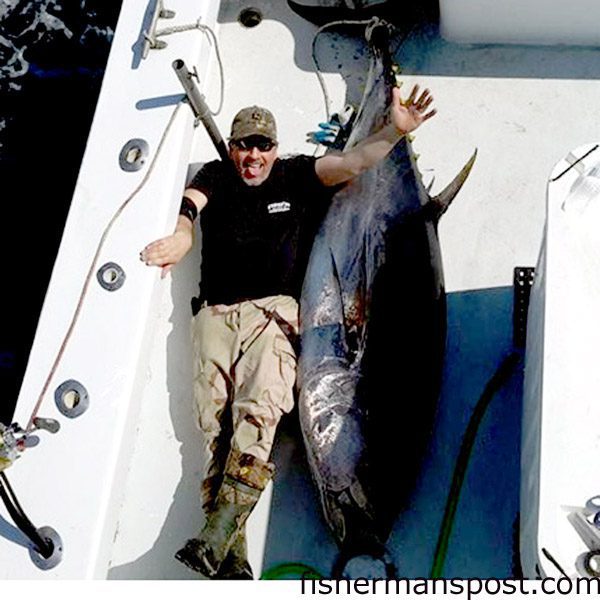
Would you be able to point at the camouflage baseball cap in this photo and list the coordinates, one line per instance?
(253, 120)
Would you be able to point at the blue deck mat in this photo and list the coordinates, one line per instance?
(483, 540)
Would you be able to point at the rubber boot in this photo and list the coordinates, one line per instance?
(244, 479)
(236, 565)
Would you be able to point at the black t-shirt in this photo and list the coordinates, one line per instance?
(256, 239)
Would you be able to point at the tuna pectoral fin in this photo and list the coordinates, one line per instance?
(441, 202)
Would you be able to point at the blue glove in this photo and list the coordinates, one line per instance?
(326, 135)
(330, 133)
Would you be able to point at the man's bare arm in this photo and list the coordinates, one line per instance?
(168, 251)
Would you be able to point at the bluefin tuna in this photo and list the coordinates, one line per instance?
(373, 330)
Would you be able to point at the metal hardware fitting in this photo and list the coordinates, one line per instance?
(111, 276)
(133, 155)
(150, 41)
(51, 536)
(71, 398)
(199, 107)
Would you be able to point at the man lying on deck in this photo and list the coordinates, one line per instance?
(259, 215)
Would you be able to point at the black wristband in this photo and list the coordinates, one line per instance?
(188, 209)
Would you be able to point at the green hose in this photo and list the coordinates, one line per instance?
(499, 378)
(296, 570)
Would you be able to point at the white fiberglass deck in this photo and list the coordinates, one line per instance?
(524, 108)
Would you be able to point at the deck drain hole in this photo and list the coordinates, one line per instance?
(111, 276)
(250, 17)
(71, 398)
(133, 155)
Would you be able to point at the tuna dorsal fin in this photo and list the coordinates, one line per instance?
(441, 202)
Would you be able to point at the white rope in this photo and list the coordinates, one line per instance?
(314, 57)
(318, 70)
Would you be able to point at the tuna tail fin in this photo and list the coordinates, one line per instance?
(326, 11)
(440, 203)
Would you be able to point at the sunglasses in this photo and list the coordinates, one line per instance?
(260, 143)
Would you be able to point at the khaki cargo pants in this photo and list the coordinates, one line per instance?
(244, 376)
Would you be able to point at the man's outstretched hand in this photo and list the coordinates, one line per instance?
(168, 251)
(407, 115)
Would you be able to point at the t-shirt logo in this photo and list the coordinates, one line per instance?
(278, 207)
